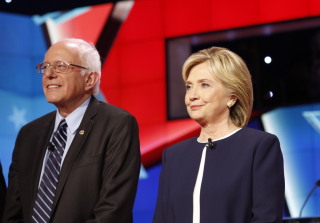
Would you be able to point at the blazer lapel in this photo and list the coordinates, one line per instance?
(76, 146)
(39, 154)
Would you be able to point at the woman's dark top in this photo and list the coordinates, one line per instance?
(243, 180)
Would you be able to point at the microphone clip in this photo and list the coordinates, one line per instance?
(210, 143)
(50, 147)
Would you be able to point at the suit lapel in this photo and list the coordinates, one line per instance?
(45, 135)
(76, 146)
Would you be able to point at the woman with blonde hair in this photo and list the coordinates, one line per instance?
(229, 173)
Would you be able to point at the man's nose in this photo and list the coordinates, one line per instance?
(50, 72)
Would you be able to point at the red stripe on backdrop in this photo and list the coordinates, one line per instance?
(279, 10)
(314, 7)
(86, 26)
(145, 101)
(230, 13)
(144, 22)
(186, 17)
(110, 77)
(142, 62)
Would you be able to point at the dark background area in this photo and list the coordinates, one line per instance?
(293, 76)
(34, 7)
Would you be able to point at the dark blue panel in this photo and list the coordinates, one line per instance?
(16, 74)
(255, 124)
(146, 198)
(22, 47)
(20, 35)
(17, 38)
(298, 129)
(35, 77)
(37, 44)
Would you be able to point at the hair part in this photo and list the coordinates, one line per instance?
(90, 58)
(231, 71)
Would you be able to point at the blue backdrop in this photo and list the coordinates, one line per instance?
(22, 47)
(298, 129)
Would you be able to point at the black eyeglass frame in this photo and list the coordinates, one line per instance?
(68, 64)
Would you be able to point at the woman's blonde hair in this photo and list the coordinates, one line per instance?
(231, 71)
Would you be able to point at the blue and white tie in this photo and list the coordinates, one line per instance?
(46, 192)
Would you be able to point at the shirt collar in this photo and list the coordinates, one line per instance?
(74, 119)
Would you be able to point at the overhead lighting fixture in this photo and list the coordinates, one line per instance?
(267, 59)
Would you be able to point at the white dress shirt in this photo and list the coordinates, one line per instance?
(73, 121)
(197, 187)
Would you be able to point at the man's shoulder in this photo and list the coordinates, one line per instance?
(110, 115)
(112, 110)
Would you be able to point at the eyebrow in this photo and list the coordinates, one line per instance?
(49, 63)
(204, 80)
(56, 61)
(199, 81)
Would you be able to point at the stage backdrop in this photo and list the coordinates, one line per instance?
(134, 72)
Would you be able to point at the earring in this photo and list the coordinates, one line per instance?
(229, 104)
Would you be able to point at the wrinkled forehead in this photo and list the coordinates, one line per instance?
(63, 51)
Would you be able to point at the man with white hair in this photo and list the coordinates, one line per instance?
(80, 163)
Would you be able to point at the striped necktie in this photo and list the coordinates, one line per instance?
(43, 206)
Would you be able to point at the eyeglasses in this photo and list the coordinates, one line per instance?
(59, 67)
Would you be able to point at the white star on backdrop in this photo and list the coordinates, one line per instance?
(143, 173)
(18, 117)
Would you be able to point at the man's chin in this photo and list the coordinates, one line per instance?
(54, 101)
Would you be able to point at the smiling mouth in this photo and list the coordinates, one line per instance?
(53, 86)
(195, 107)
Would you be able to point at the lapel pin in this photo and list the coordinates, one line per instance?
(81, 132)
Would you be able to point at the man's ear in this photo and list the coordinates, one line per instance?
(91, 79)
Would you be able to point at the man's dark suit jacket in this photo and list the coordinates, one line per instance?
(243, 180)
(3, 190)
(99, 176)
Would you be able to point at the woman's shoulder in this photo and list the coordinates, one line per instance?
(180, 147)
(182, 150)
(253, 138)
(256, 134)
(183, 143)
